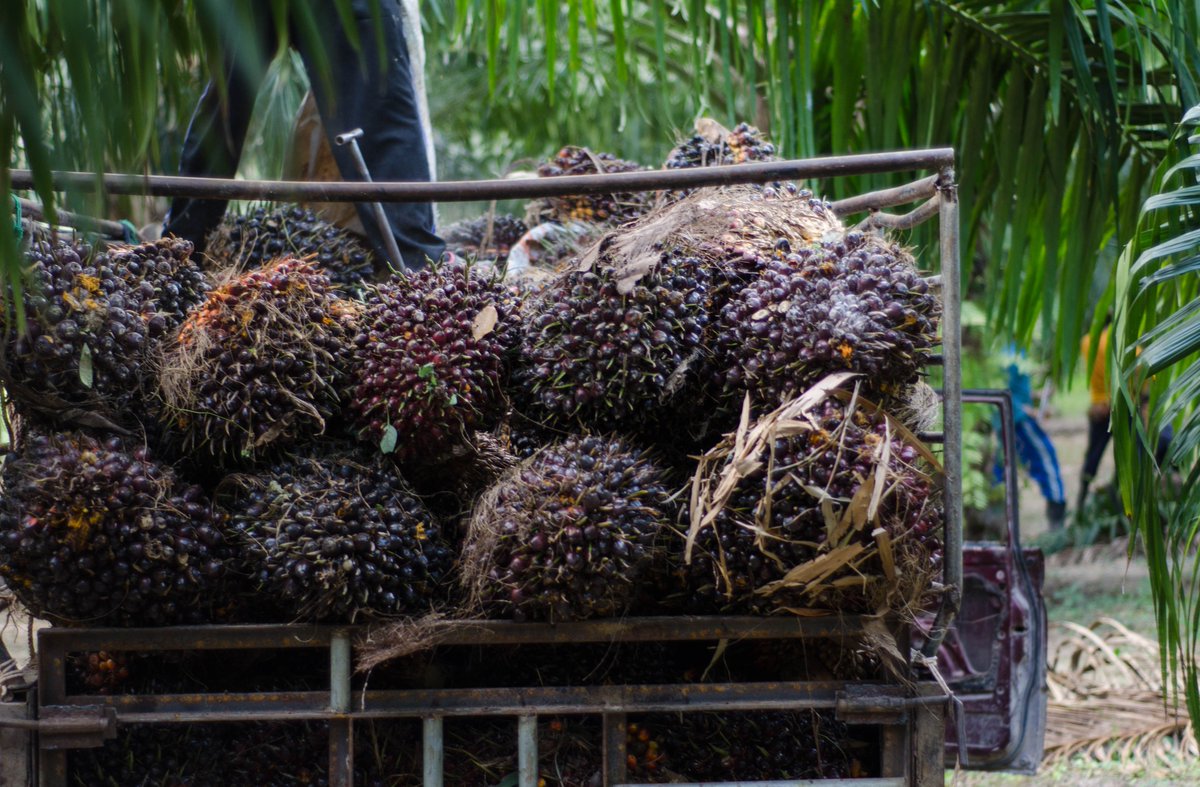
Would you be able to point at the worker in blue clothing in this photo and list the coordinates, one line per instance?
(370, 82)
(1034, 448)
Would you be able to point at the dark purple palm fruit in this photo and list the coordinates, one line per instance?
(858, 304)
(600, 354)
(169, 281)
(780, 515)
(336, 537)
(588, 208)
(568, 533)
(101, 533)
(713, 146)
(87, 326)
(260, 364)
(430, 359)
(485, 238)
(253, 239)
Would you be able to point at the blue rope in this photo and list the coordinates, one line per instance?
(131, 233)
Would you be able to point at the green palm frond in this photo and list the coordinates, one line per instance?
(1156, 347)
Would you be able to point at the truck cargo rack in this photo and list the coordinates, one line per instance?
(909, 716)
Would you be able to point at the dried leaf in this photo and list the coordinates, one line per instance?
(485, 322)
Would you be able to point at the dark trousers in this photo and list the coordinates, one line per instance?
(353, 89)
(1097, 441)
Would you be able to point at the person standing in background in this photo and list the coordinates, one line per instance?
(1034, 447)
(1099, 411)
(377, 86)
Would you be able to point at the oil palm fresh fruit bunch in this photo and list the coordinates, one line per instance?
(829, 477)
(858, 304)
(485, 238)
(337, 536)
(430, 359)
(588, 208)
(713, 146)
(568, 533)
(169, 281)
(260, 364)
(251, 239)
(99, 532)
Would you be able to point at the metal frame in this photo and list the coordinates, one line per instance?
(910, 718)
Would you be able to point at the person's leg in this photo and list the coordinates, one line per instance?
(383, 103)
(217, 132)
(1039, 455)
(1097, 441)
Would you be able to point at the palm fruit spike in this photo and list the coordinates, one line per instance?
(801, 486)
(265, 233)
(858, 304)
(752, 746)
(97, 532)
(567, 534)
(430, 359)
(589, 208)
(714, 146)
(260, 364)
(599, 355)
(485, 238)
(87, 327)
(334, 537)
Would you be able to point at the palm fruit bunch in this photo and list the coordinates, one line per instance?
(488, 237)
(167, 278)
(857, 304)
(260, 364)
(588, 208)
(751, 746)
(87, 328)
(430, 359)
(98, 671)
(801, 487)
(101, 532)
(337, 536)
(600, 354)
(568, 533)
(714, 146)
(252, 239)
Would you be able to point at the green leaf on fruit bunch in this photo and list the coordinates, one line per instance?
(425, 372)
(388, 444)
(453, 400)
(511, 780)
(86, 371)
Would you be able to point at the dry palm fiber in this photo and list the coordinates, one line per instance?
(625, 336)
(826, 503)
(567, 534)
(260, 364)
(590, 208)
(430, 360)
(1107, 701)
(100, 532)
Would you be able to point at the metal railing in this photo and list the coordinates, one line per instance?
(910, 719)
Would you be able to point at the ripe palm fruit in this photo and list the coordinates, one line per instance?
(333, 537)
(753, 746)
(430, 359)
(169, 282)
(260, 364)
(87, 330)
(714, 146)
(857, 304)
(264, 234)
(568, 533)
(102, 533)
(590, 208)
(801, 487)
(600, 354)
(485, 238)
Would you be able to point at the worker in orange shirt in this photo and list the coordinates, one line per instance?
(1099, 410)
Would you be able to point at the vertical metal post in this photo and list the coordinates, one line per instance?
(615, 764)
(929, 736)
(341, 730)
(433, 752)
(51, 690)
(527, 751)
(951, 408)
(385, 227)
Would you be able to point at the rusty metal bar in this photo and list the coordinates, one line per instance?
(527, 751)
(887, 198)
(482, 190)
(266, 637)
(113, 229)
(952, 566)
(615, 764)
(341, 726)
(924, 212)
